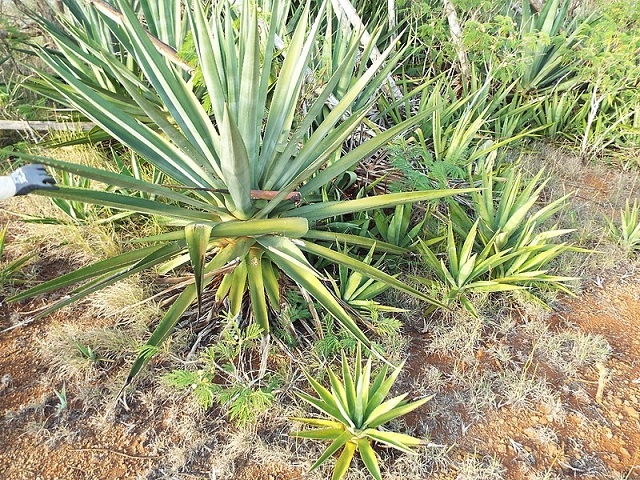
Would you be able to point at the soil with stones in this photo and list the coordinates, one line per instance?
(598, 438)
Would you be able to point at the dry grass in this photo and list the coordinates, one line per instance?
(74, 244)
(597, 193)
(474, 467)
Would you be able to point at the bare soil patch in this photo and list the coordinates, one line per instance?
(593, 440)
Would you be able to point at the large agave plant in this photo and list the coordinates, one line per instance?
(248, 179)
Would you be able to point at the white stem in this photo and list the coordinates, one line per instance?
(456, 37)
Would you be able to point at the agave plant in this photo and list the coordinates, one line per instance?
(628, 234)
(357, 409)
(467, 271)
(396, 228)
(358, 291)
(10, 269)
(248, 190)
(503, 245)
(505, 208)
(546, 62)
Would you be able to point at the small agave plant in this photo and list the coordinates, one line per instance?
(629, 232)
(357, 410)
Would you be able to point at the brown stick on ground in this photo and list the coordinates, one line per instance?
(255, 194)
(270, 194)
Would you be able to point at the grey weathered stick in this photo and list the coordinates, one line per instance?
(456, 36)
(42, 126)
(536, 4)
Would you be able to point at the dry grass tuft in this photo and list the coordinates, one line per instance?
(125, 302)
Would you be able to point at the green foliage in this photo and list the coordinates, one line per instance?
(503, 245)
(223, 378)
(357, 410)
(397, 228)
(333, 340)
(628, 234)
(246, 182)
(462, 129)
(575, 68)
(15, 102)
(9, 270)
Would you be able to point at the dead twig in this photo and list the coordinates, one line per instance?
(116, 452)
(43, 126)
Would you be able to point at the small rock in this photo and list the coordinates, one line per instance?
(625, 453)
(5, 381)
(632, 412)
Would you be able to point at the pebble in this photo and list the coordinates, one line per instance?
(625, 453)
(632, 412)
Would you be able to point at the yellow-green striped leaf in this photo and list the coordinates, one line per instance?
(197, 237)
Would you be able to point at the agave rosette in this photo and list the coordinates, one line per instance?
(357, 408)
